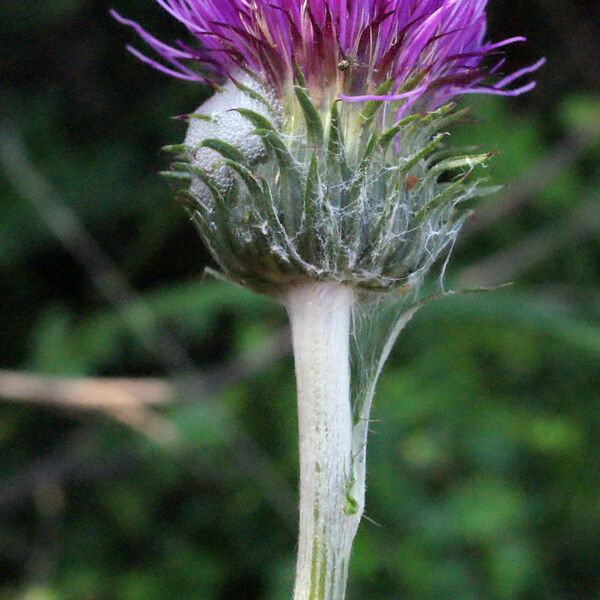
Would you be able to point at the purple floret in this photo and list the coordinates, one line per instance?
(427, 51)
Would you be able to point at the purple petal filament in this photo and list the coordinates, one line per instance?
(352, 46)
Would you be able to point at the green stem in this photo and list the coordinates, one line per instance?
(329, 516)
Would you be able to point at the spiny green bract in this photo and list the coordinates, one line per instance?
(345, 195)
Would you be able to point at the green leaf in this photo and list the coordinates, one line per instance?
(444, 119)
(411, 161)
(226, 150)
(175, 175)
(312, 192)
(289, 179)
(370, 109)
(312, 207)
(336, 148)
(259, 121)
(267, 206)
(273, 141)
(363, 168)
(177, 149)
(199, 117)
(439, 199)
(207, 180)
(252, 93)
(299, 76)
(190, 202)
(247, 177)
(458, 162)
(216, 230)
(314, 125)
(387, 137)
(365, 160)
(182, 167)
(435, 115)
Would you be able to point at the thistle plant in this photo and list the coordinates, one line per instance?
(320, 173)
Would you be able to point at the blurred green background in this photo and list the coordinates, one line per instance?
(484, 478)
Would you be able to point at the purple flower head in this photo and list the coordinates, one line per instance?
(420, 51)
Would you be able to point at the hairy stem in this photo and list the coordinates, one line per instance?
(329, 515)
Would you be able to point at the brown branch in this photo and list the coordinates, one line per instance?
(123, 393)
(161, 343)
(85, 393)
(135, 403)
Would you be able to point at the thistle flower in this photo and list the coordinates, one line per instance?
(343, 46)
(317, 150)
(318, 173)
